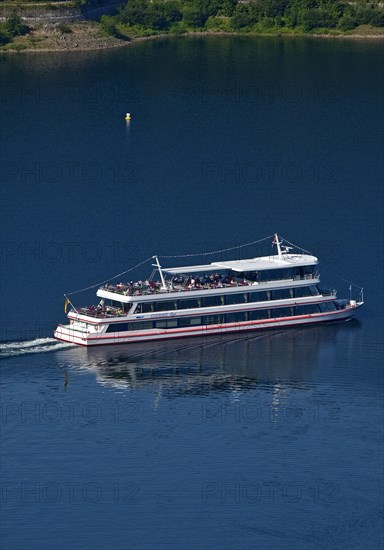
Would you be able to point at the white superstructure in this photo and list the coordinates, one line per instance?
(280, 290)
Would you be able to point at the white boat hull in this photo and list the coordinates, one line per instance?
(67, 334)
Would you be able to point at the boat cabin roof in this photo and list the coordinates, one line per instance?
(252, 264)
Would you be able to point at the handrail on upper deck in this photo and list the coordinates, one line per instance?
(155, 288)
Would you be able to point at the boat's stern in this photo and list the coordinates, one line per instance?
(79, 332)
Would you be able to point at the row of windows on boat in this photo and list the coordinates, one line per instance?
(223, 318)
(221, 300)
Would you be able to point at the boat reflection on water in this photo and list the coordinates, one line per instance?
(225, 364)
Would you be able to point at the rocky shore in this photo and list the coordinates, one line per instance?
(87, 35)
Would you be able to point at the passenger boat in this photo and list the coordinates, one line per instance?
(279, 290)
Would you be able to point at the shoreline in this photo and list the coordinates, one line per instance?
(72, 41)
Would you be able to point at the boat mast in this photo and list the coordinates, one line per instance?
(278, 243)
(157, 264)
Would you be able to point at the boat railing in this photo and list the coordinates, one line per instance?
(144, 289)
(171, 288)
(100, 312)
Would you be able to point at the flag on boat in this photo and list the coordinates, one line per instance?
(67, 302)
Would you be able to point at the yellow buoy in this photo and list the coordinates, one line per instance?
(128, 116)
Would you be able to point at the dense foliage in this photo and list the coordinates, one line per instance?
(149, 16)
(13, 26)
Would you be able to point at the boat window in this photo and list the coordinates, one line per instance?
(281, 294)
(235, 317)
(263, 276)
(117, 327)
(209, 301)
(314, 290)
(281, 312)
(145, 307)
(165, 306)
(302, 291)
(212, 319)
(188, 304)
(287, 273)
(189, 321)
(249, 275)
(277, 274)
(235, 299)
(195, 321)
(258, 314)
(170, 323)
(112, 303)
(261, 296)
(142, 325)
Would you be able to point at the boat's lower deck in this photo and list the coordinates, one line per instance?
(100, 335)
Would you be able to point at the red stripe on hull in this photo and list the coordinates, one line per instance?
(203, 330)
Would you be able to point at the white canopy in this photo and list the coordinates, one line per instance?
(252, 264)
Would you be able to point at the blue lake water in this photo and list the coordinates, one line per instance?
(267, 441)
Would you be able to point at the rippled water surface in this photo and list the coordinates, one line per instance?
(271, 440)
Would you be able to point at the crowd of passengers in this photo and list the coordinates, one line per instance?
(101, 310)
(215, 280)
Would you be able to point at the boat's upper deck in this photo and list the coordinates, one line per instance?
(220, 277)
(227, 277)
(261, 263)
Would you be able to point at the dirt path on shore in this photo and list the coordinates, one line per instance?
(84, 35)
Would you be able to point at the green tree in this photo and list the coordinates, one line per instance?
(245, 15)
(317, 18)
(108, 25)
(160, 15)
(378, 18)
(15, 26)
(134, 12)
(347, 22)
(172, 11)
(295, 9)
(227, 7)
(194, 16)
(4, 38)
(272, 8)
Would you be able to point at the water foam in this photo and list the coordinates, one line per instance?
(39, 345)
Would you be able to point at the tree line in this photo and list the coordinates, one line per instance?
(149, 16)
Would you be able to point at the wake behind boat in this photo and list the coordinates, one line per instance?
(279, 290)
